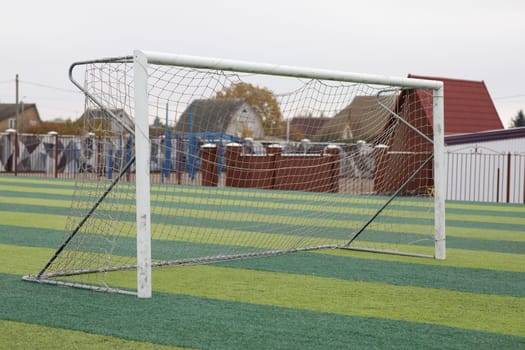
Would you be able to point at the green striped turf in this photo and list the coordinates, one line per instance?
(485, 293)
(341, 267)
(462, 225)
(204, 323)
(485, 242)
(337, 211)
(489, 242)
(235, 284)
(485, 312)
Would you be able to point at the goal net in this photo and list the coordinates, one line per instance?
(189, 160)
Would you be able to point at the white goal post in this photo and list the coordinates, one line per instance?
(364, 185)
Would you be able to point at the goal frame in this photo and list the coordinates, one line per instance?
(141, 59)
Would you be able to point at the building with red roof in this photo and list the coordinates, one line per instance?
(468, 108)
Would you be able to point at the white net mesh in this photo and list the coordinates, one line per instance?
(248, 165)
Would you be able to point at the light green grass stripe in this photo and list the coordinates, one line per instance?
(488, 313)
(48, 221)
(17, 335)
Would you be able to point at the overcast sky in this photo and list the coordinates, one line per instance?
(476, 40)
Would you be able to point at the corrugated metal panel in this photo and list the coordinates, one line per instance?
(485, 177)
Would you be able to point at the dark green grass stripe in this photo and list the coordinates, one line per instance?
(347, 268)
(212, 324)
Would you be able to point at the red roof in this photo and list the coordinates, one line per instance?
(468, 106)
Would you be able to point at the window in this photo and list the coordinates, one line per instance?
(12, 123)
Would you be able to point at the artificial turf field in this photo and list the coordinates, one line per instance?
(325, 300)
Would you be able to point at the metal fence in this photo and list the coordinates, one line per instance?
(485, 177)
(481, 177)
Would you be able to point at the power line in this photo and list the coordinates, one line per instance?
(49, 86)
(508, 97)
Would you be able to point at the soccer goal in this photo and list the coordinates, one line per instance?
(189, 160)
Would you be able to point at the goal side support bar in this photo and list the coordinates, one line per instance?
(439, 173)
(142, 166)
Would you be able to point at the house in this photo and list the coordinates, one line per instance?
(468, 108)
(230, 116)
(306, 127)
(28, 116)
(98, 115)
(362, 120)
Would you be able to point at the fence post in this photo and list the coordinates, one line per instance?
(508, 176)
(334, 154)
(210, 175)
(13, 133)
(55, 153)
(497, 187)
(233, 154)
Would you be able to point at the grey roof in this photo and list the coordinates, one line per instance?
(364, 115)
(8, 110)
(211, 115)
(98, 113)
(484, 136)
(308, 126)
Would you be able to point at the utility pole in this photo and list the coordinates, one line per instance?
(16, 88)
